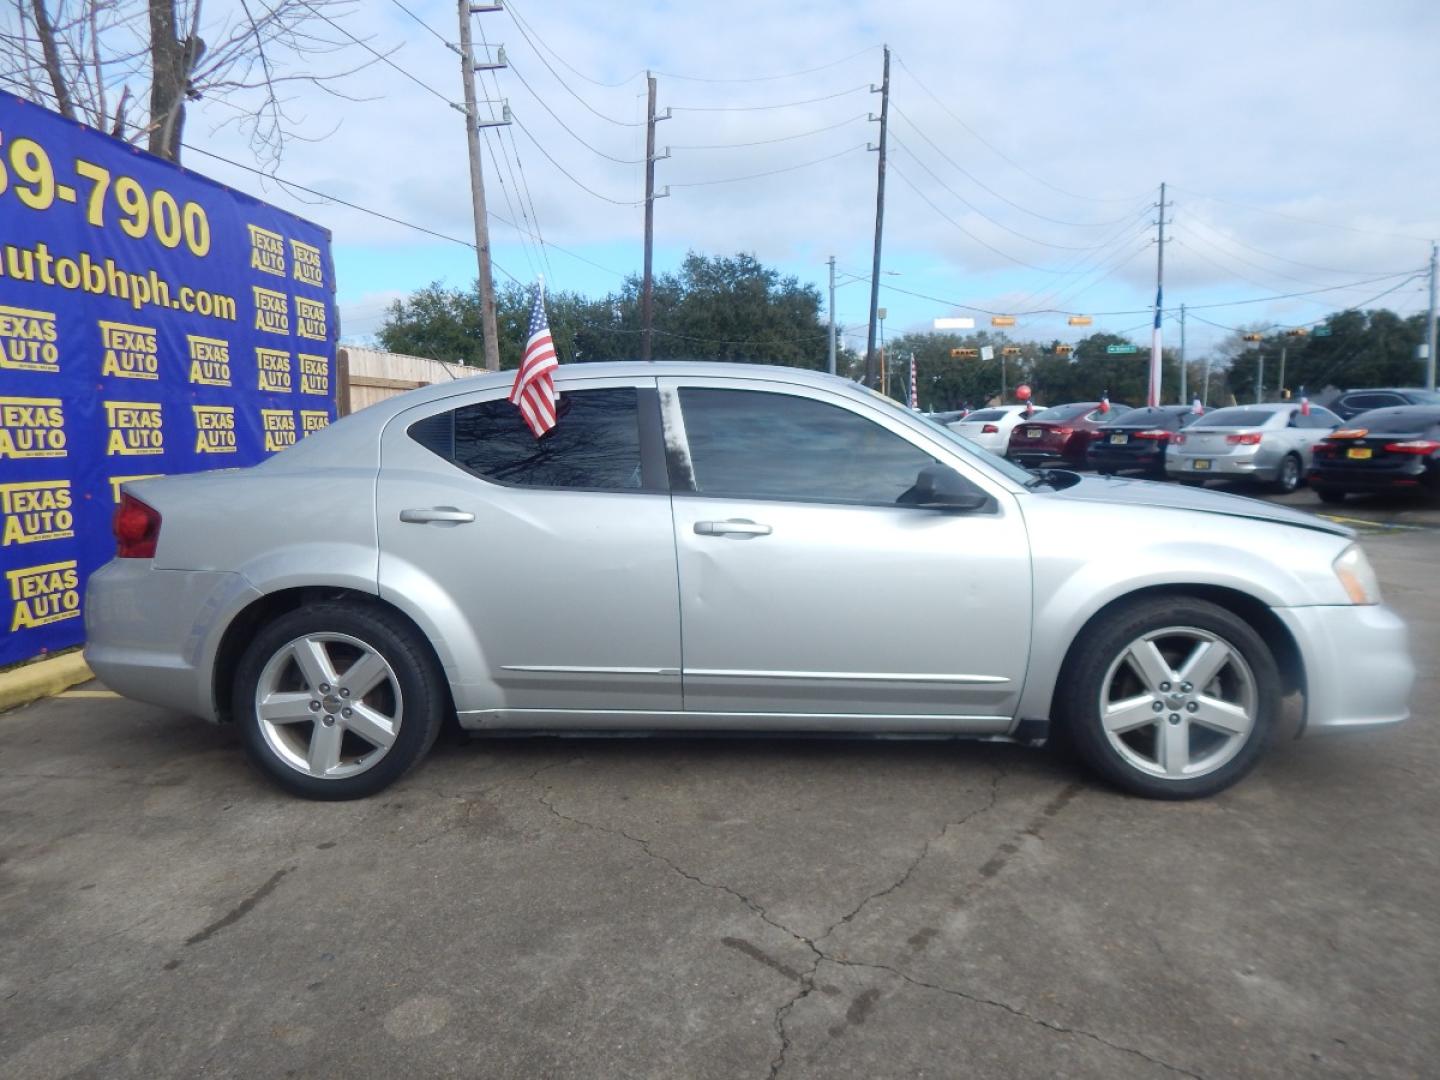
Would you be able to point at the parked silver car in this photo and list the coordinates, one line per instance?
(1270, 443)
(708, 547)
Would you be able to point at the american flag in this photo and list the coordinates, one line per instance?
(534, 388)
(914, 391)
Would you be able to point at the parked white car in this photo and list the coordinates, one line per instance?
(990, 429)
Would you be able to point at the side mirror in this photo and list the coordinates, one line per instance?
(939, 487)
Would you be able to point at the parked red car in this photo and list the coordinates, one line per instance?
(1060, 435)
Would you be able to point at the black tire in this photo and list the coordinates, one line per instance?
(421, 690)
(1330, 495)
(1290, 475)
(1079, 695)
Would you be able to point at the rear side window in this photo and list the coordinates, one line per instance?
(757, 445)
(1152, 418)
(1371, 401)
(1061, 413)
(1238, 418)
(986, 414)
(594, 445)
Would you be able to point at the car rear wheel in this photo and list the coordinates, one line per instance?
(338, 701)
(1288, 477)
(1170, 699)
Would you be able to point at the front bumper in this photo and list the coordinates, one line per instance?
(1358, 668)
(152, 635)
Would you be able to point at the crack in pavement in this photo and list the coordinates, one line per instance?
(1000, 774)
(1016, 1011)
(807, 978)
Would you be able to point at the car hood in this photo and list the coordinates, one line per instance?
(1168, 496)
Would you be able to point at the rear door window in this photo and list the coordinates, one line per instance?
(595, 444)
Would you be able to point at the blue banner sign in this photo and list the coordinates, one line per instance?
(152, 322)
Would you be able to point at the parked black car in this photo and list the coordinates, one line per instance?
(1136, 440)
(1354, 402)
(1381, 450)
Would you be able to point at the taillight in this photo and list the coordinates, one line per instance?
(136, 527)
(989, 429)
(1064, 432)
(1322, 449)
(1178, 438)
(1249, 438)
(1350, 433)
(1156, 434)
(1413, 446)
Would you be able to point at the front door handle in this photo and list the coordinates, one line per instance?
(436, 515)
(733, 527)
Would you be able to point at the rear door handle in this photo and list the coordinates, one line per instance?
(436, 515)
(733, 527)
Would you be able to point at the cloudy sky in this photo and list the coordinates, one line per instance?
(1028, 139)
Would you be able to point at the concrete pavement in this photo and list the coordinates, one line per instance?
(719, 908)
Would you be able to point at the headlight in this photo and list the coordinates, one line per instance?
(1357, 577)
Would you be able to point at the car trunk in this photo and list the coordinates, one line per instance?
(1214, 442)
(1042, 436)
(1369, 452)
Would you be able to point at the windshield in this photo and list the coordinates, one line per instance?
(995, 461)
(1237, 418)
(1400, 419)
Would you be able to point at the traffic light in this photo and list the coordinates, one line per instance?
(1010, 350)
(1080, 320)
(1299, 331)
(1064, 350)
(1254, 337)
(964, 354)
(1002, 320)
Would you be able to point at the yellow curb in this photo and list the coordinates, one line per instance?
(23, 685)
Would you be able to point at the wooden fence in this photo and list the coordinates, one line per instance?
(368, 376)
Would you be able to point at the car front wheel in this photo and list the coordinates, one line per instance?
(337, 701)
(1170, 699)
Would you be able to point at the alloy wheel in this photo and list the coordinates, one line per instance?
(328, 705)
(1178, 703)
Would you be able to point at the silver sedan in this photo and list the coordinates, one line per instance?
(715, 547)
(1270, 443)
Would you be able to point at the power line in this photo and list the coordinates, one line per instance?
(1212, 228)
(345, 202)
(1149, 310)
(993, 221)
(593, 149)
(763, 108)
(1000, 153)
(771, 172)
(1321, 319)
(1303, 220)
(967, 232)
(377, 54)
(433, 32)
(768, 142)
(520, 25)
(769, 78)
(985, 187)
(568, 175)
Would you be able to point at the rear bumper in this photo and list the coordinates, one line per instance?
(1409, 477)
(152, 635)
(1358, 668)
(1226, 465)
(1103, 456)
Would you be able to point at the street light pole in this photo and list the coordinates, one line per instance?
(830, 361)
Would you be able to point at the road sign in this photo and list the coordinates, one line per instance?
(987, 352)
(1121, 350)
(959, 322)
(1321, 331)
(1002, 320)
(1080, 320)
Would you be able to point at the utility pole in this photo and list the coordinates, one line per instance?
(1283, 349)
(871, 360)
(830, 362)
(1155, 337)
(473, 124)
(647, 293)
(1260, 378)
(1183, 374)
(1430, 327)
